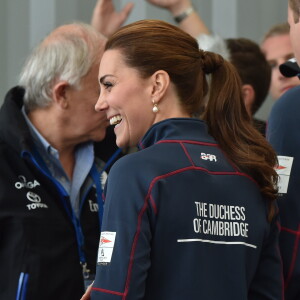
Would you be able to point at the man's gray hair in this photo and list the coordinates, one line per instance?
(66, 56)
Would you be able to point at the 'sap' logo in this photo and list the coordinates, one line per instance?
(209, 157)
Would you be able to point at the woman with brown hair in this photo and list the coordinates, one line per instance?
(191, 215)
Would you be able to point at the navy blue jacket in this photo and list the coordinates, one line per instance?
(41, 241)
(283, 132)
(182, 222)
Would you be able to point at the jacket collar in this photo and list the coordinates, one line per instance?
(188, 129)
(13, 128)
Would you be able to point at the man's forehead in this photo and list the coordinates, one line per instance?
(277, 46)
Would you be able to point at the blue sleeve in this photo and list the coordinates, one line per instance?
(124, 248)
(283, 123)
(284, 135)
(269, 268)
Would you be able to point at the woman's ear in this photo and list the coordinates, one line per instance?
(249, 97)
(60, 93)
(160, 84)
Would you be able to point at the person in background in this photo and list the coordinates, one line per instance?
(195, 207)
(187, 18)
(255, 74)
(50, 180)
(106, 19)
(276, 44)
(283, 134)
(277, 47)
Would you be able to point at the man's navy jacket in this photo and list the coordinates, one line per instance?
(41, 241)
(283, 132)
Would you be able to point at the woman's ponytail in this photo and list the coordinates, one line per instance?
(231, 126)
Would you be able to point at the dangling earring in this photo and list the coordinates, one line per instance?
(155, 107)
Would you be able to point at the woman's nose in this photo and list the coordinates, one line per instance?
(101, 104)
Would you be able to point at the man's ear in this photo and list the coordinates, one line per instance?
(160, 84)
(60, 93)
(249, 97)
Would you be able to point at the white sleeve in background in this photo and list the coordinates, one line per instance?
(213, 43)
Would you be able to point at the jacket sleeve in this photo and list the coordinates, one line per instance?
(269, 271)
(124, 248)
(283, 135)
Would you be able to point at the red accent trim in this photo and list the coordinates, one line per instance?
(188, 142)
(153, 204)
(278, 225)
(187, 154)
(293, 261)
(207, 144)
(290, 230)
(107, 291)
(210, 172)
(135, 242)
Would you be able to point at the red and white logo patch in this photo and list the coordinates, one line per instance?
(284, 169)
(104, 240)
(106, 247)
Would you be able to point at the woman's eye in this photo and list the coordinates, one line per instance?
(107, 85)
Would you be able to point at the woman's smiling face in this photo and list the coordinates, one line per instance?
(126, 99)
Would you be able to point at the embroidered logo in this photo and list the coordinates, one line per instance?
(36, 201)
(23, 183)
(33, 197)
(209, 157)
(93, 206)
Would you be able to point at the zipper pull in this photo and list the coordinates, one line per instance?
(85, 270)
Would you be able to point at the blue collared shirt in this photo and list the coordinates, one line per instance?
(84, 158)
